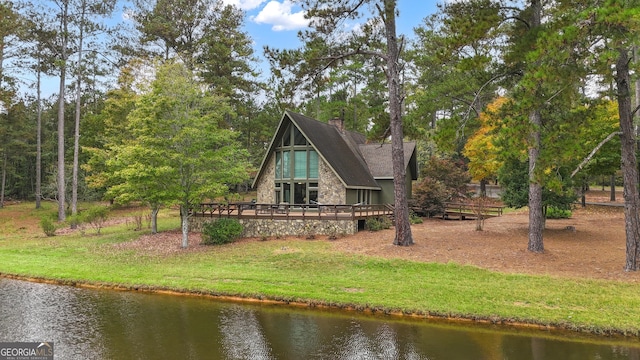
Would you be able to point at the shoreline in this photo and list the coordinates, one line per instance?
(310, 304)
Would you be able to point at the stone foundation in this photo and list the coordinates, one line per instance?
(281, 227)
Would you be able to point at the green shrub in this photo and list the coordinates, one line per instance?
(415, 218)
(377, 224)
(95, 217)
(442, 180)
(555, 213)
(76, 222)
(220, 232)
(48, 226)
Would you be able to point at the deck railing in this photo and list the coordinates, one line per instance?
(290, 211)
(466, 210)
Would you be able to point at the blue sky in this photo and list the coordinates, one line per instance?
(276, 22)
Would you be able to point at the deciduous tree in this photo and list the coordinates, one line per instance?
(178, 153)
(481, 150)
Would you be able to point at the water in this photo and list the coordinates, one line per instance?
(101, 324)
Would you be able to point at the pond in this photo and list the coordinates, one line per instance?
(105, 324)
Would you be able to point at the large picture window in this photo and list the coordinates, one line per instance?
(300, 164)
(297, 165)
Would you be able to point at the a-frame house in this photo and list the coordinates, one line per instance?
(309, 162)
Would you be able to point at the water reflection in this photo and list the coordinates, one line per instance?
(242, 335)
(40, 312)
(93, 324)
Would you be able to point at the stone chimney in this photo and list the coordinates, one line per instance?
(337, 122)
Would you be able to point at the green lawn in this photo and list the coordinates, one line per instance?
(311, 272)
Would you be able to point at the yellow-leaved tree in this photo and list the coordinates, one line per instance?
(480, 148)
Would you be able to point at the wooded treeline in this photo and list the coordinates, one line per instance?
(516, 92)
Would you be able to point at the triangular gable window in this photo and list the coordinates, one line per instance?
(296, 172)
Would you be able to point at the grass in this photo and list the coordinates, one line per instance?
(311, 272)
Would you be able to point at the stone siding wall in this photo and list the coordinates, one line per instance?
(266, 184)
(271, 227)
(330, 189)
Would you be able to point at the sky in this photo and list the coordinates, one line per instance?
(275, 23)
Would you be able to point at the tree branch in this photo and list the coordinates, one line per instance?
(519, 19)
(593, 152)
(548, 102)
(333, 59)
(475, 98)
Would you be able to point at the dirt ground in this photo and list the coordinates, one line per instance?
(591, 244)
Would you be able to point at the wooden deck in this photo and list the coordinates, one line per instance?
(462, 211)
(290, 211)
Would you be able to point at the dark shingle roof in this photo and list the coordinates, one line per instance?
(378, 158)
(338, 149)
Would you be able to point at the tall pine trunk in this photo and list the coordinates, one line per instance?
(76, 136)
(612, 187)
(629, 169)
(2, 104)
(4, 177)
(38, 139)
(61, 101)
(536, 213)
(402, 222)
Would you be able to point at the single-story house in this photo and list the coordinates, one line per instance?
(311, 162)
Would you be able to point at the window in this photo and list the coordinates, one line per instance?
(286, 193)
(278, 165)
(286, 171)
(300, 166)
(313, 164)
(364, 196)
(298, 138)
(297, 164)
(300, 193)
(286, 139)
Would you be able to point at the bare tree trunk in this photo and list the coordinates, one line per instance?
(38, 140)
(629, 164)
(184, 218)
(76, 137)
(63, 70)
(2, 108)
(536, 213)
(480, 203)
(4, 177)
(403, 224)
(154, 220)
(612, 184)
(636, 103)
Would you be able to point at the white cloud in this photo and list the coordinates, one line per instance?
(280, 15)
(245, 5)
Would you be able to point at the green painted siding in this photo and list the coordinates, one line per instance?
(386, 196)
(352, 196)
